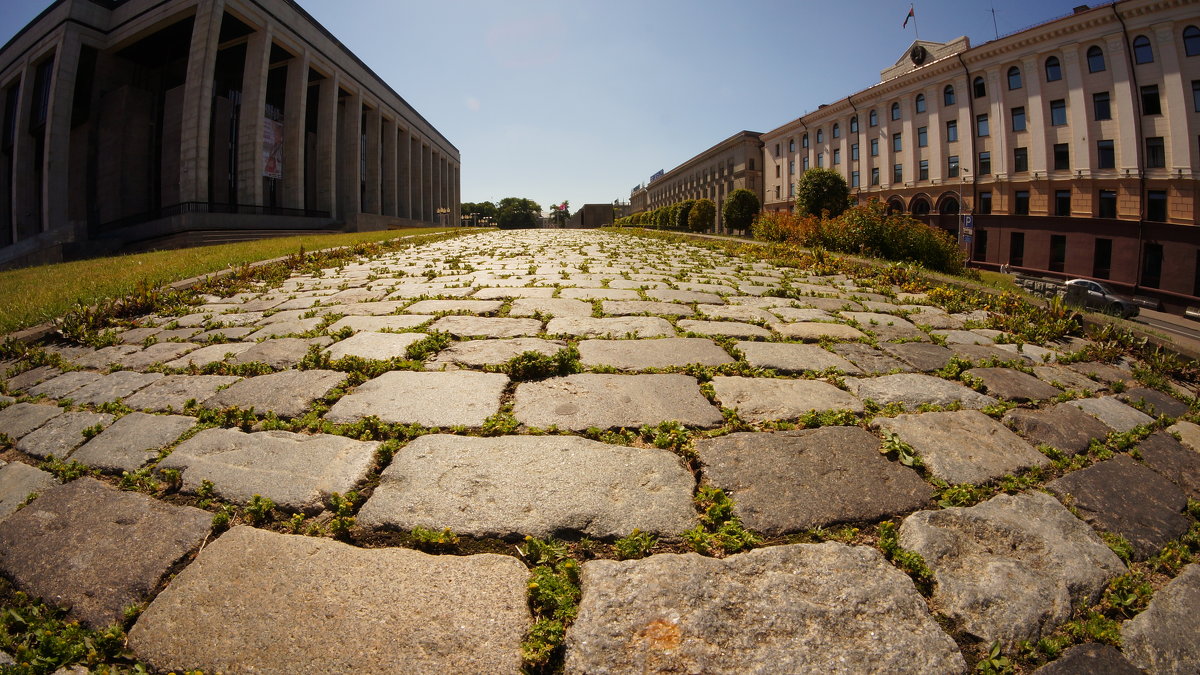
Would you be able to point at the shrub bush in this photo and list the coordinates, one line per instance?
(702, 216)
(822, 190)
(739, 209)
(682, 210)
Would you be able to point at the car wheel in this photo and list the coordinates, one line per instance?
(1116, 309)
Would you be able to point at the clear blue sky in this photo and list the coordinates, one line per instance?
(582, 100)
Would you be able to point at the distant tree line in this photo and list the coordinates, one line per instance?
(510, 213)
(699, 215)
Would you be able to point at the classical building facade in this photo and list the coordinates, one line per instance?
(734, 163)
(146, 123)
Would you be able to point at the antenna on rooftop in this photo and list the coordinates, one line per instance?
(994, 26)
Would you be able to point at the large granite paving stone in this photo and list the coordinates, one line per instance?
(1013, 384)
(61, 435)
(670, 295)
(505, 293)
(1065, 378)
(17, 482)
(287, 393)
(431, 399)
(1154, 402)
(372, 345)
(886, 326)
(537, 485)
(156, 353)
(820, 608)
(378, 323)
(791, 357)
(210, 354)
(1178, 463)
(814, 331)
(278, 353)
(616, 327)
(788, 481)
(799, 314)
(978, 353)
(549, 306)
(132, 441)
(920, 355)
(737, 313)
(278, 329)
(759, 399)
(1109, 410)
(106, 356)
(1090, 658)
(113, 387)
(479, 326)
(64, 385)
(96, 550)
(963, 446)
(1189, 433)
(26, 379)
(295, 471)
(1103, 372)
(869, 359)
(1011, 568)
(1063, 427)
(477, 307)
(660, 353)
(174, 391)
(912, 390)
(479, 353)
(599, 294)
(257, 601)
(1126, 498)
(588, 400)
(735, 329)
(1165, 638)
(19, 419)
(631, 307)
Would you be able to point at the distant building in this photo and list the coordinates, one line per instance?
(592, 215)
(151, 123)
(734, 163)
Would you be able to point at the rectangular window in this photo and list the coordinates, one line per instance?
(1058, 113)
(897, 173)
(791, 145)
(1152, 258)
(777, 171)
(897, 144)
(923, 137)
(837, 156)
(791, 190)
(952, 166)
(981, 125)
(853, 179)
(951, 131)
(1101, 107)
(1058, 252)
(776, 149)
(874, 147)
(854, 152)
(1018, 118)
(804, 164)
(1021, 202)
(980, 244)
(1016, 249)
(1156, 154)
(923, 170)
(1150, 103)
(1156, 205)
(1062, 157)
(1102, 258)
(1062, 203)
(985, 202)
(820, 159)
(1107, 204)
(1106, 156)
(1196, 95)
(1020, 160)
(985, 163)
(875, 175)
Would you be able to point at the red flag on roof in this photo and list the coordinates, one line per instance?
(911, 15)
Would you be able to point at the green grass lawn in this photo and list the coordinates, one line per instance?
(31, 295)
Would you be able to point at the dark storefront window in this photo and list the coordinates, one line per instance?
(1058, 252)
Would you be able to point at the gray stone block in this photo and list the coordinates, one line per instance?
(431, 399)
(132, 441)
(287, 394)
(607, 401)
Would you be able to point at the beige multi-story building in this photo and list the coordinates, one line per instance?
(727, 166)
(1072, 145)
(147, 123)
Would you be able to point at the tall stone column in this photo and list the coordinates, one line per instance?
(295, 115)
(427, 183)
(436, 159)
(58, 131)
(327, 147)
(388, 170)
(250, 124)
(197, 102)
(24, 192)
(371, 202)
(403, 179)
(1035, 116)
(456, 199)
(416, 168)
(1166, 47)
(349, 163)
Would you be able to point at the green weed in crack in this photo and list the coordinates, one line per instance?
(910, 562)
(719, 532)
(554, 594)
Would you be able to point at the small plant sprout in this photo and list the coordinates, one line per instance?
(636, 545)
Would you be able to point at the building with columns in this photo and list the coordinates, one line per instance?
(134, 124)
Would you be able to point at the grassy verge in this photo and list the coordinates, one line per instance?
(32, 295)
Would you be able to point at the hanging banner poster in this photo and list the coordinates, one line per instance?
(272, 148)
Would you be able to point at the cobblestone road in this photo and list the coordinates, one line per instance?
(585, 386)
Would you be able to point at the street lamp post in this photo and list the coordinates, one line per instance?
(443, 213)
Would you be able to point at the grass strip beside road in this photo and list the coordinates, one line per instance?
(32, 295)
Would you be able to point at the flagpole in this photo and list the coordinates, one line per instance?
(916, 28)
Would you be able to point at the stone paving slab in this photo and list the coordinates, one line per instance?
(1014, 385)
(1102, 372)
(821, 608)
(480, 353)
(94, 549)
(813, 331)
(210, 354)
(1063, 427)
(371, 345)
(288, 393)
(296, 471)
(506, 293)
(17, 482)
(280, 352)
(734, 329)
(616, 327)
(543, 486)
(66, 384)
(1189, 434)
(800, 314)
(658, 353)
(1109, 410)
(886, 326)
(963, 446)
(476, 307)
(912, 390)
(599, 294)
(605, 401)
(378, 323)
(550, 306)
(791, 357)
(132, 441)
(62, 434)
(977, 353)
(669, 295)
(783, 482)
(1123, 497)
(103, 358)
(174, 391)
(1165, 638)
(633, 307)
(24, 380)
(113, 387)
(1065, 378)
(1090, 659)
(763, 399)
(284, 329)
(257, 601)
(737, 313)
(1154, 402)
(920, 355)
(474, 326)
(869, 359)
(156, 353)
(1174, 461)
(1011, 568)
(19, 419)
(430, 399)
(363, 308)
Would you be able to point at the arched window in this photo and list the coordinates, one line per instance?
(1142, 52)
(895, 111)
(979, 88)
(873, 119)
(1053, 69)
(854, 124)
(1191, 41)
(919, 207)
(1014, 78)
(948, 95)
(837, 130)
(820, 135)
(804, 141)
(1095, 59)
(920, 103)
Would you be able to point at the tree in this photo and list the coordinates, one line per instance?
(820, 190)
(681, 215)
(476, 212)
(702, 216)
(518, 213)
(662, 217)
(739, 209)
(560, 213)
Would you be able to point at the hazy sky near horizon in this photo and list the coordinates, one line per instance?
(583, 100)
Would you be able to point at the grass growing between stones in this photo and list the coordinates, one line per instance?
(41, 639)
(719, 531)
(554, 595)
